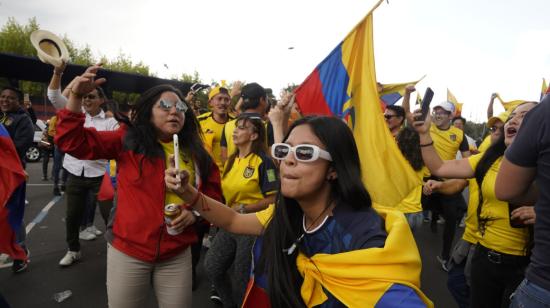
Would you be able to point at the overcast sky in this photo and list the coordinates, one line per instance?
(472, 47)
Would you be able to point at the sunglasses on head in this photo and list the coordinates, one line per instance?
(302, 152)
(167, 105)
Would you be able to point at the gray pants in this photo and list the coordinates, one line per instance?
(229, 249)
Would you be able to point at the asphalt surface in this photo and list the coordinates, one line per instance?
(44, 217)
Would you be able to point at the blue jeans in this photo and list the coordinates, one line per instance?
(530, 295)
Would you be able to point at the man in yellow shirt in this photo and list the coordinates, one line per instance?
(212, 123)
(447, 141)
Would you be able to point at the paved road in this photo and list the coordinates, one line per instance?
(44, 217)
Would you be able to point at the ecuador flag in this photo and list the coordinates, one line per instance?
(344, 81)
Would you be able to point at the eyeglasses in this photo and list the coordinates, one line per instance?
(389, 116)
(302, 152)
(167, 105)
(441, 114)
(90, 96)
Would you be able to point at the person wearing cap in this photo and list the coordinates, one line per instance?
(495, 125)
(447, 140)
(254, 103)
(212, 123)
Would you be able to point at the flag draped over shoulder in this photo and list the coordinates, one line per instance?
(12, 196)
(345, 82)
(458, 106)
(393, 92)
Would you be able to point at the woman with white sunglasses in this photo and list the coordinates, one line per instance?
(141, 252)
(323, 244)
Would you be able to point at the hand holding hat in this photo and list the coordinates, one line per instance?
(50, 48)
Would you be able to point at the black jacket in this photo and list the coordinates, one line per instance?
(21, 130)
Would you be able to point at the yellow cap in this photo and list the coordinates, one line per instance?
(501, 117)
(216, 90)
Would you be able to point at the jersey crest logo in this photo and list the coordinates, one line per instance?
(248, 172)
(453, 137)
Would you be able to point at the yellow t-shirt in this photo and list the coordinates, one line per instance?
(471, 232)
(227, 136)
(411, 203)
(264, 216)
(485, 144)
(186, 163)
(448, 142)
(51, 126)
(249, 180)
(498, 235)
(212, 133)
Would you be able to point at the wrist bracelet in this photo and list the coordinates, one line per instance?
(195, 199)
(427, 144)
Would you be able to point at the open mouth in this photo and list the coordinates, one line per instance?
(511, 131)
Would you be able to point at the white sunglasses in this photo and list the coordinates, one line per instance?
(302, 152)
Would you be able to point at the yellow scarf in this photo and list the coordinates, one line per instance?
(360, 278)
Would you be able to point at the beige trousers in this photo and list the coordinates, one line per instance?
(129, 280)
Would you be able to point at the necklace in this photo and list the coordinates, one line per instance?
(290, 250)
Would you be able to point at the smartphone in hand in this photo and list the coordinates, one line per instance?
(428, 96)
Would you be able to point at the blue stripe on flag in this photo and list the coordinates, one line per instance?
(334, 80)
(391, 98)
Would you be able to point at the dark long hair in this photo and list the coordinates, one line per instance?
(409, 144)
(494, 152)
(284, 281)
(142, 135)
(258, 146)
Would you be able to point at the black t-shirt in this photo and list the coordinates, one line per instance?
(532, 149)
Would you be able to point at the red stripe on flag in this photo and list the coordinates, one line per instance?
(309, 96)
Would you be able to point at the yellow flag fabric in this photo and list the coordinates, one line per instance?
(397, 87)
(511, 104)
(360, 278)
(387, 175)
(418, 98)
(458, 106)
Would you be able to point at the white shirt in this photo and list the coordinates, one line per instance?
(58, 100)
(91, 168)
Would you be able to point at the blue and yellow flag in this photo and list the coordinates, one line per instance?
(345, 81)
(393, 92)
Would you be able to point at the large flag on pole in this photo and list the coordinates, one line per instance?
(346, 80)
(12, 196)
(458, 106)
(391, 93)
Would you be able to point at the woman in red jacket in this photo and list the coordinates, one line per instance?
(140, 252)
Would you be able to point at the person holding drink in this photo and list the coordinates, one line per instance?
(140, 250)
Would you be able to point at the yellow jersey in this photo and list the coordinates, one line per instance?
(448, 142)
(212, 135)
(249, 180)
(498, 234)
(471, 231)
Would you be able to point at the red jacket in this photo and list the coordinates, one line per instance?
(138, 224)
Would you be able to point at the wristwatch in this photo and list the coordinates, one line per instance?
(242, 208)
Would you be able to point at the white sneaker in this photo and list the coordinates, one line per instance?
(86, 235)
(70, 258)
(94, 230)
